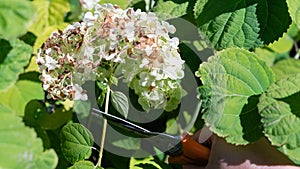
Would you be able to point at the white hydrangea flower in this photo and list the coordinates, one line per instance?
(135, 41)
(80, 94)
(89, 4)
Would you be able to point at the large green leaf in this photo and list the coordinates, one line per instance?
(76, 142)
(286, 68)
(280, 111)
(15, 55)
(15, 17)
(20, 148)
(294, 9)
(242, 23)
(20, 94)
(229, 80)
(169, 10)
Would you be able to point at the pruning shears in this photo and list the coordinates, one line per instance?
(181, 150)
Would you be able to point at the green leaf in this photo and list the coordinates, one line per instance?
(266, 55)
(280, 111)
(75, 13)
(76, 142)
(283, 44)
(82, 108)
(229, 79)
(54, 136)
(50, 13)
(293, 154)
(83, 165)
(50, 17)
(120, 102)
(169, 10)
(20, 94)
(162, 164)
(15, 17)
(142, 163)
(121, 3)
(12, 64)
(42, 134)
(228, 23)
(245, 24)
(20, 148)
(147, 166)
(294, 9)
(129, 143)
(172, 127)
(286, 68)
(36, 115)
(274, 21)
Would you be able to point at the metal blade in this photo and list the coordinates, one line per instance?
(165, 142)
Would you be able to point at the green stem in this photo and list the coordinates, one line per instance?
(148, 3)
(104, 128)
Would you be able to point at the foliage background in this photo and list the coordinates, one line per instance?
(30, 128)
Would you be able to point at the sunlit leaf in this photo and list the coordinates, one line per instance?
(294, 9)
(20, 147)
(120, 102)
(49, 13)
(283, 44)
(50, 17)
(121, 3)
(286, 68)
(169, 10)
(16, 55)
(229, 80)
(280, 110)
(15, 17)
(136, 163)
(76, 142)
(266, 55)
(20, 94)
(32, 65)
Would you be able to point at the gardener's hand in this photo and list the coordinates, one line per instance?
(258, 155)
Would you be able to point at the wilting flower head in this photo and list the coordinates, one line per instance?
(135, 41)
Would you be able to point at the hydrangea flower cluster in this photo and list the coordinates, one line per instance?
(135, 41)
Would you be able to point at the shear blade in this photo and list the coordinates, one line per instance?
(165, 142)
